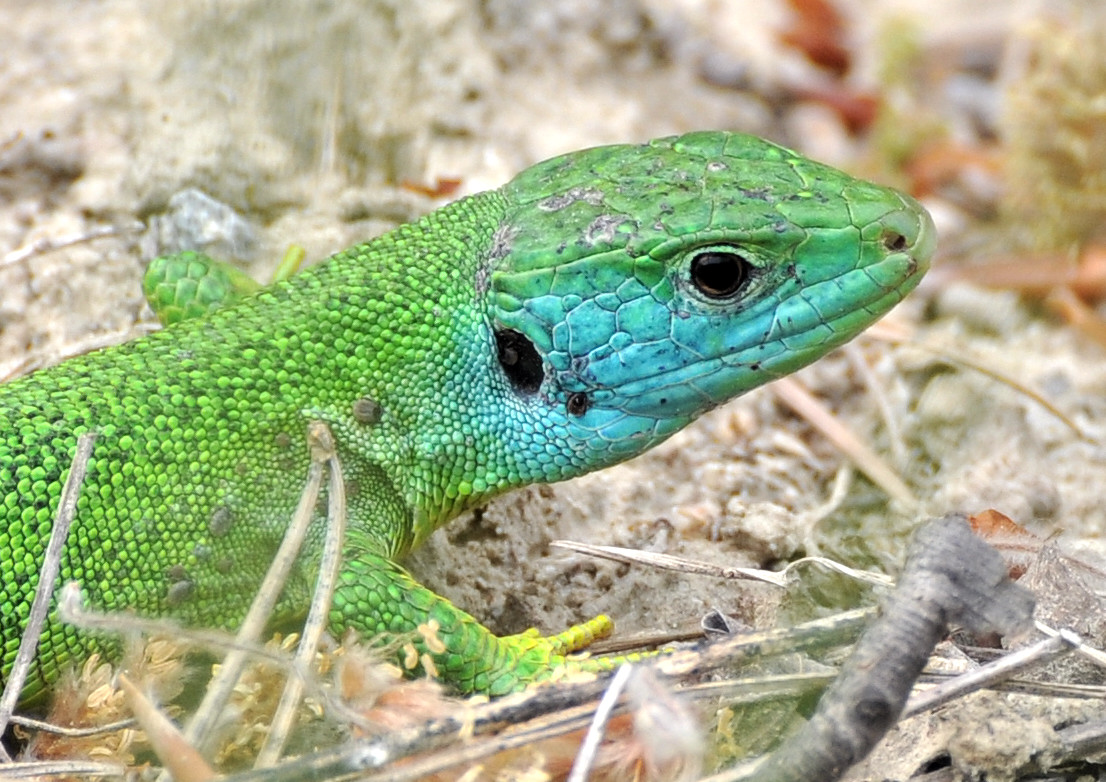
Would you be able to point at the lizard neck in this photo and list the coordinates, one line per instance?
(414, 386)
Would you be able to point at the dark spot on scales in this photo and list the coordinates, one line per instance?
(502, 241)
(179, 592)
(221, 521)
(604, 228)
(555, 203)
(366, 411)
(480, 281)
(181, 587)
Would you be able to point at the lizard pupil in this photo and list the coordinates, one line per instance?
(577, 403)
(719, 273)
(520, 361)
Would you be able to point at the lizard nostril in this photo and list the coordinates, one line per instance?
(894, 241)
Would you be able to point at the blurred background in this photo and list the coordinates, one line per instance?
(243, 127)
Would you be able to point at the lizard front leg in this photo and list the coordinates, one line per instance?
(378, 598)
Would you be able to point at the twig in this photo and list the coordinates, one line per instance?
(569, 706)
(315, 625)
(1080, 741)
(951, 576)
(950, 355)
(71, 610)
(585, 757)
(44, 594)
(992, 673)
(46, 244)
(828, 631)
(1096, 656)
(741, 692)
(223, 683)
(40, 769)
(68, 732)
(178, 756)
(891, 422)
(792, 393)
(670, 562)
(780, 578)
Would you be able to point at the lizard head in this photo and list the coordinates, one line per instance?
(631, 289)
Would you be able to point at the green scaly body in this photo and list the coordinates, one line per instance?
(572, 319)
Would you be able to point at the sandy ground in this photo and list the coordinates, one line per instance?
(305, 120)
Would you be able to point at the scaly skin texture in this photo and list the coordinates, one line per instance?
(572, 319)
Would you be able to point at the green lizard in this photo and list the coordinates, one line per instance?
(574, 318)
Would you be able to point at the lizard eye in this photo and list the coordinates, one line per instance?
(719, 272)
(520, 360)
